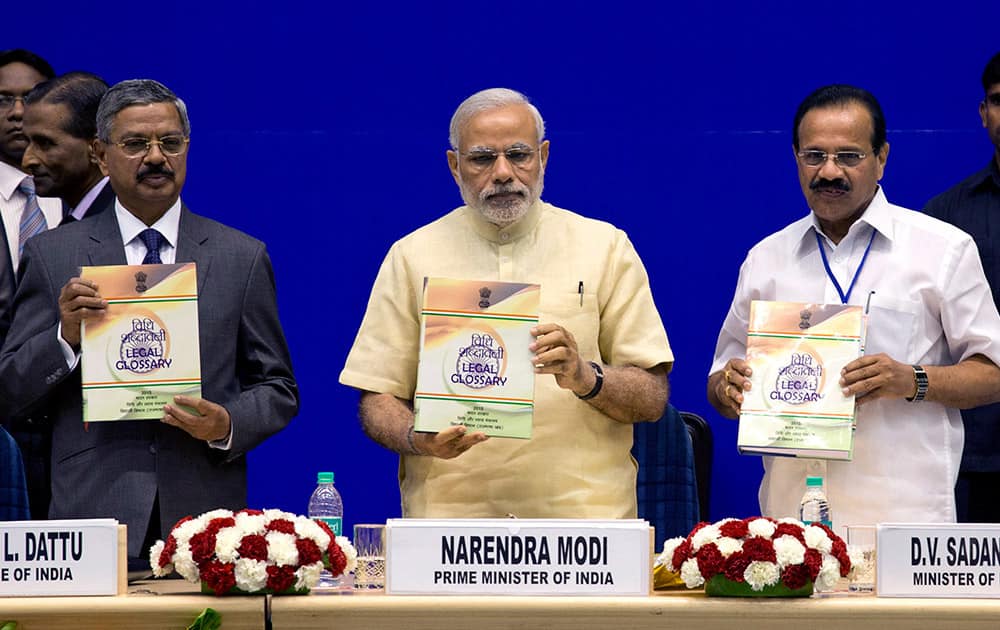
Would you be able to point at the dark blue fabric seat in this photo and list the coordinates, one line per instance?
(13, 489)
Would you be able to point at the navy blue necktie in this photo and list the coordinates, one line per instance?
(153, 240)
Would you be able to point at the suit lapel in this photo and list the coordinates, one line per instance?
(106, 246)
(191, 238)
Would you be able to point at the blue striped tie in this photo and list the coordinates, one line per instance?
(32, 220)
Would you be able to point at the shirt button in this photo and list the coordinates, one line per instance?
(152, 449)
(504, 237)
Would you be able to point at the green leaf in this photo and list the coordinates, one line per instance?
(9, 625)
(209, 619)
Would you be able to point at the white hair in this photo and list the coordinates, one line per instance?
(484, 100)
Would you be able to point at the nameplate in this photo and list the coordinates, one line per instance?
(518, 557)
(70, 557)
(938, 560)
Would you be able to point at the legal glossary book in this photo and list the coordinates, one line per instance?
(796, 406)
(475, 366)
(144, 350)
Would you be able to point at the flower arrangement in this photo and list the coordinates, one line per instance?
(773, 557)
(252, 551)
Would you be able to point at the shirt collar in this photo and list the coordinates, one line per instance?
(508, 234)
(10, 179)
(81, 208)
(167, 225)
(876, 216)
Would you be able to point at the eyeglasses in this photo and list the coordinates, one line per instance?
(137, 147)
(519, 156)
(7, 100)
(840, 158)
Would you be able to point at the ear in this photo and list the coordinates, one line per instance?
(453, 166)
(543, 153)
(982, 113)
(98, 151)
(881, 159)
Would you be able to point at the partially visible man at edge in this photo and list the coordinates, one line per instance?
(60, 121)
(974, 206)
(149, 474)
(933, 340)
(598, 317)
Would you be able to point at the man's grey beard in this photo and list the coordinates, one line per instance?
(503, 213)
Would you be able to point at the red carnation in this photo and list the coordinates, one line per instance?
(813, 561)
(281, 578)
(681, 554)
(736, 566)
(795, 576)
(218, 576)
(710, 560)
(281, 525)
(789, 529)
(734, 529)
(309, 551)
(253, 547)
(181, 522)
(250, 512)
(202, 546)
(216, 524)
(169, 547)
(761, 549)
(336, 561)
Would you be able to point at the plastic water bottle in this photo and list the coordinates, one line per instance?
(326, 505)
(815, 507)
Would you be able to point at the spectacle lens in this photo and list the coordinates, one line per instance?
(841, 158)
(169, 145)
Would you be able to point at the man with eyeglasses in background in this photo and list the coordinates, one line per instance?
(933, 341)
(149, 474)
(974, 206)
(22, 215)
(600, 347)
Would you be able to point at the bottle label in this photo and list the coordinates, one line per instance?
(335, 523)
(827, 523)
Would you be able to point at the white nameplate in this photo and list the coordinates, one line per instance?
(518, 557)
(938, 560)
(70, 557)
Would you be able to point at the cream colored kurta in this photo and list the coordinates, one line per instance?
(577, 463)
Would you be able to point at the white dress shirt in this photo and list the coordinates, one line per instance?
(930, 305)
(12, 202)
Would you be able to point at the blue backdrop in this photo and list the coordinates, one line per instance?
(321, 128)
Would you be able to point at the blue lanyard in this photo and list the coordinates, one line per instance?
(822, 252)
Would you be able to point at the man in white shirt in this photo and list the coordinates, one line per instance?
(934, 333)
(60, 121)
(20, 72)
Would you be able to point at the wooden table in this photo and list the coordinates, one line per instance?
(674, 609)
(156, 604)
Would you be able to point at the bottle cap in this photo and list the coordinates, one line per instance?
(324, 477)
(814, 482)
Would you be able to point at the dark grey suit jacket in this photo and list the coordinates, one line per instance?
(115, 469)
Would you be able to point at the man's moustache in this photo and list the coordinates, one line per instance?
(830, 184)
(154, 170)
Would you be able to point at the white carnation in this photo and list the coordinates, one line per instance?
(728, 546)
(281, 549)
(691, 574)
(214, 514)
(227, 541)
(761, 527)
(251, 575)
(251, 523)
(817, 539)
(308, 528)
(154, 560)
(667, 556)
(829, 574)
(184, 564)
(705, 535)
(789, 551)
(274, 515)
(760, 574)
(307, 575)
(349, 552)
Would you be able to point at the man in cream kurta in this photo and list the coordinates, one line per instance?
(577, 462)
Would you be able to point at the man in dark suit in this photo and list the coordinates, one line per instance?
(149, 474)
(60, 121)
(974, 206)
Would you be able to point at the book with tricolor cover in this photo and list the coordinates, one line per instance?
(796, 406)
(475, 367)
(144, 350)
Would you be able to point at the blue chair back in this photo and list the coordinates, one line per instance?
(667, 487)
(13, 489)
